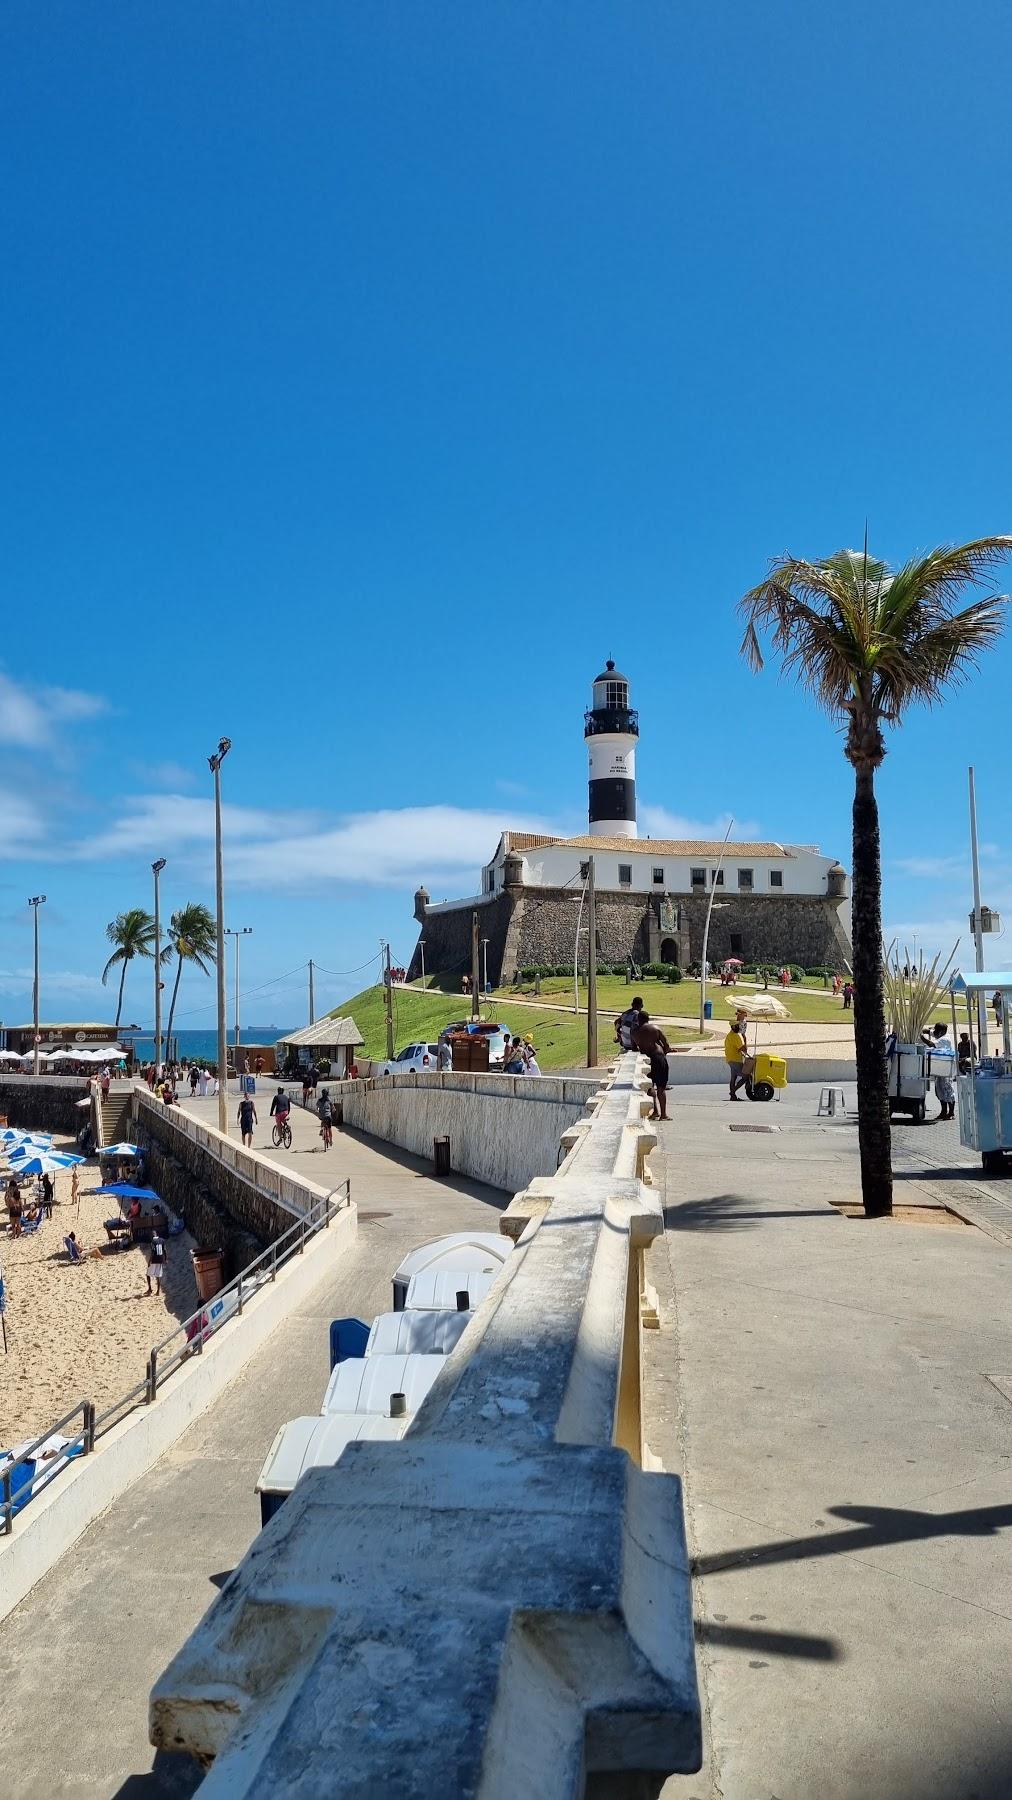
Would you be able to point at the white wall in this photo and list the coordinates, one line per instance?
(803, 871)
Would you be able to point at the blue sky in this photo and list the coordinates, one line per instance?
(371, 373)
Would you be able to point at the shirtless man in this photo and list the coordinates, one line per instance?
(650, 1040)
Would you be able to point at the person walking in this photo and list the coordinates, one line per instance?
(735, 1049)
(651, 1042)
(444, 1056)
(247, 1118)
(204, 1080)
(531, 1065)
(997, 1003)
(105, 1081)
(848, 995)
(48, 1195)
(156, 1263)
(194, 1080)
(513, 1058)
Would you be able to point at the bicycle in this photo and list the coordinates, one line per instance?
(282, 1133)
(327, 1134)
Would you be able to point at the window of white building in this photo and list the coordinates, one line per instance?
(776, 878)
(697, 877)
(658, 878)
(745, 882)
(625, 874)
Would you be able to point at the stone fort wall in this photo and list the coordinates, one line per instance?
(527, 926)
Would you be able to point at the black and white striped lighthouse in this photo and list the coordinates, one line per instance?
(611, 728)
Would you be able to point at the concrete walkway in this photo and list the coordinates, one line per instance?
(80, 1654)
(845, 1434)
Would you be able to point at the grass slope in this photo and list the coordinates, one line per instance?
(561, 1038)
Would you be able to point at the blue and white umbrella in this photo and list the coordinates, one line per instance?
(12, 1137)
(119, 1150)
(42, 1162)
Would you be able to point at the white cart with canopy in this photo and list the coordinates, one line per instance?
(985, 1082)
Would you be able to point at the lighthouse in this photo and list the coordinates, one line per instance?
(611, 729)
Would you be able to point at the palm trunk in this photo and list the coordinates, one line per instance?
(873, 1128)
(119, 1003)
(172, 1003)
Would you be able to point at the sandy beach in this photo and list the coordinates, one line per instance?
(79, 1332)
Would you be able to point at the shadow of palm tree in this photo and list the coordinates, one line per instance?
(733, 1212)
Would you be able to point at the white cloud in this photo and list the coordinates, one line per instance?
(931, 868)
(29, 714)
(22, 825)
(169, 823)
(389, 848)
(172, 775)
(69, 981)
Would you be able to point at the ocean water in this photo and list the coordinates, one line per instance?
(203, 1045)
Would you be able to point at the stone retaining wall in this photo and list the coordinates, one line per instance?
(44, 1102)
(503, 1129)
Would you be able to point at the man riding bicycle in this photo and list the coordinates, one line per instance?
(281, 1106)
(326, 1113)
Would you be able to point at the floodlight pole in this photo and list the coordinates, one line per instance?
(35, 902)
(706, 927)
(156, 869)
(312, 996)
(214, 763)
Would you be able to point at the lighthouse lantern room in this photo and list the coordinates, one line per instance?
(611, 729)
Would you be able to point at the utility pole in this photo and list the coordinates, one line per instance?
(35, 902)
(312, 1000)
(156, 869)
(388, 984)
(706, 928)
(475, 988)
(484, 965)
(591, 967)
(214, 763)
(978, 934)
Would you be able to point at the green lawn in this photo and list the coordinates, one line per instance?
(560, 1037)
(681, 998)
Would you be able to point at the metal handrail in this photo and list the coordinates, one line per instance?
(291, 1242)
(85, 1437)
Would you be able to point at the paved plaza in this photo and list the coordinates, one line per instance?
(836, 1393)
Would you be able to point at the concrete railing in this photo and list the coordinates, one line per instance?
(503, 1129)
(499, 1604)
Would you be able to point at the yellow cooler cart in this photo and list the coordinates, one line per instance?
(769, 1076)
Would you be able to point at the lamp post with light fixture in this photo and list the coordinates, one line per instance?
(214, 764)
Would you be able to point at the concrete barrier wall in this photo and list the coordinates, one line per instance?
(61, 1512)
(498, 1604)
(503, 1129)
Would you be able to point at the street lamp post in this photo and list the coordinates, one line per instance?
(214, 764)
(156, 869)
(35, 902)
(238, 932)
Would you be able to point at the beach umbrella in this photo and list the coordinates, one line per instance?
(757, 1006)
(119, 1150)
(42, 1162)
(125, 1191)
(12, 1135)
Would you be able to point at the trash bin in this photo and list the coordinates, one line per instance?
(207, 1269)
(708, 1009)
(441, 1155)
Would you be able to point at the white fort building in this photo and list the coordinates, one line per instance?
(777, 903)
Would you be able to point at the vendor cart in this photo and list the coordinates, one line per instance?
(908, 1079)
(984, 1083)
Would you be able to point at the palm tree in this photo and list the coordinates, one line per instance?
(133, 934)
(866, 641)
(192, 937)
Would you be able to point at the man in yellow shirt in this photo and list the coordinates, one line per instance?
(736, 1056)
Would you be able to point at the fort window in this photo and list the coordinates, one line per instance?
(718, 880)
(736, 943)
(745, 879)
(698, 878)
(625, 874)
(776, 878)
(658, 877)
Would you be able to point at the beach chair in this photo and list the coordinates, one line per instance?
(30, 1225)
(73, 1250)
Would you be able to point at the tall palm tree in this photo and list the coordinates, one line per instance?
(192, 938)
(133, 934)
(866, 641)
